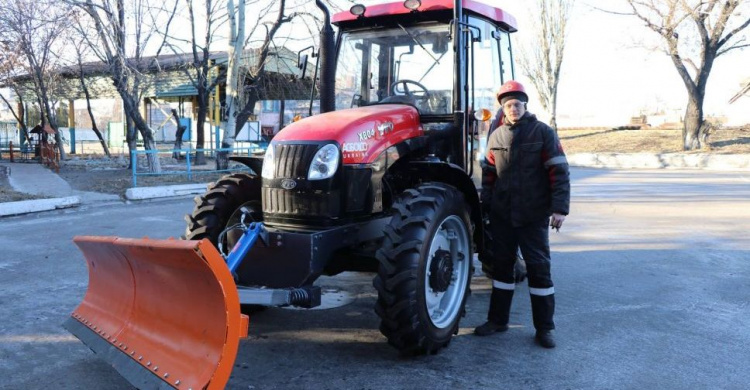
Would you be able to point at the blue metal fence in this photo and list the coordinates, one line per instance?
(190, 170)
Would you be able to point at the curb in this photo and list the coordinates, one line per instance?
(142, 193)
(719, 162)
(36, 205)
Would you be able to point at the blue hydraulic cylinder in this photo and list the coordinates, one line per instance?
(243, 245)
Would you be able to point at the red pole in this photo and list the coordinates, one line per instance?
(11, 151)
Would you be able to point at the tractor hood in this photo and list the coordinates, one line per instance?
(362, 133)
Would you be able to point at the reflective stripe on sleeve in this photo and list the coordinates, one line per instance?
(541, 291)
(503, 286)
(555, 161)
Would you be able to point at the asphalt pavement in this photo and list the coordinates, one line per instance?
(651, 277)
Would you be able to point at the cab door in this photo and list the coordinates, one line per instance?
(491, 65)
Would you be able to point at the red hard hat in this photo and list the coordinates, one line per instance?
(511, 87)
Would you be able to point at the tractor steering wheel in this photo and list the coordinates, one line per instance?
(405, 90)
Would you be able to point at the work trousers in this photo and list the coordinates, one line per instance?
(533, 241)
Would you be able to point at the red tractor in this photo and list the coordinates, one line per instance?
(383, 180)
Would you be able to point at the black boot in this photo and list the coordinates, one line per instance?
(543, 310)
(489, 328)
(497, 319)
(545, 339)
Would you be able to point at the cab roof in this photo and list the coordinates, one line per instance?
(397, 8)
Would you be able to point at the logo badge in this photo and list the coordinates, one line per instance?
(354, 147)
(288, 184)
(386, 127)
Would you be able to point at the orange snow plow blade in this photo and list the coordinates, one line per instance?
(163, 313)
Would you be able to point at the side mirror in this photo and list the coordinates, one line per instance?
(302, 65)
(302, 60)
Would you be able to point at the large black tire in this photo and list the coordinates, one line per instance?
(220, 207)
(424, 269)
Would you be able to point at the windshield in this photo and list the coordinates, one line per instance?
(411, 65)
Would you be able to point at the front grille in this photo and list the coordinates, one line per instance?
(293, 161)
(278, 202)
(308, 201)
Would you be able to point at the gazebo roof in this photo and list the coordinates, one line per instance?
(38, 129)
(282, 79)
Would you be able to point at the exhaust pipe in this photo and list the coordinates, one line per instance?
(327, 70)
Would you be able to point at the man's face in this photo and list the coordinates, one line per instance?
(514, 110)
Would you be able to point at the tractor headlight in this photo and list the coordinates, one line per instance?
(269, 163)
(325, 163)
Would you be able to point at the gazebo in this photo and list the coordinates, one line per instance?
(39, 138)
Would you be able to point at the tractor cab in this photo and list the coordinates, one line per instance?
(445, 58)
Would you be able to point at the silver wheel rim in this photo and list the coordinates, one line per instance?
(444, 306)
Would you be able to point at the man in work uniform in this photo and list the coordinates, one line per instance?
(531, 192)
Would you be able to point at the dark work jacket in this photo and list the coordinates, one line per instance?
(532, 177)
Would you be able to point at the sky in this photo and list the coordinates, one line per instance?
(606, 77)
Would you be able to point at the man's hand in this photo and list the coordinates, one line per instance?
(557, 221)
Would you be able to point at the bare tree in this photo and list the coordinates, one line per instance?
(234, 54)
(35, 26)
(80, 49)
(9, 65)
(542, 60)
(202, 71)
(252, 76)
(178, 135)
(125, 30)
(695, 33)
(256, 72)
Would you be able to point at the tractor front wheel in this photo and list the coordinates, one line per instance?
(424, 268)
(220, 207)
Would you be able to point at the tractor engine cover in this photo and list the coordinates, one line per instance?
(362, 135)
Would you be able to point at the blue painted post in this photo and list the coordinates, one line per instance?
(134, 166)
(218, 137)
(72, 140)
(190, 176)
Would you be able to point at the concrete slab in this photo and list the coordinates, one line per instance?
(141, 193)
(37, 205)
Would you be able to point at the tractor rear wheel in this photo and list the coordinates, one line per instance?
(220, 207)
(424, 269)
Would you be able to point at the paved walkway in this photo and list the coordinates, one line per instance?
(36, 179)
